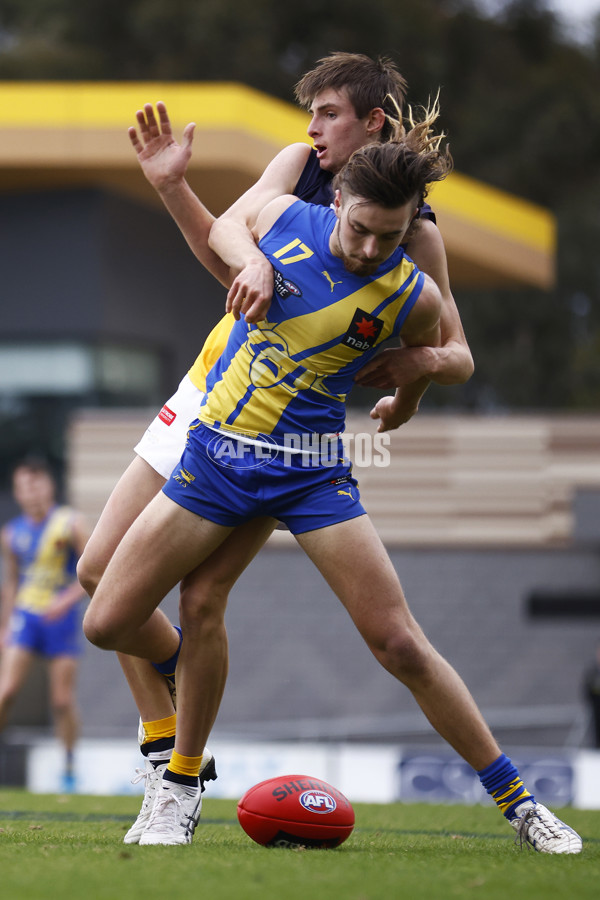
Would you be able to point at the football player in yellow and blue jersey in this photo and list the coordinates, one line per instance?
(267, 443)
(41, 596)
(281, 385)
(352, 100)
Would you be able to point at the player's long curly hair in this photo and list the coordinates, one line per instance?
(392, 173)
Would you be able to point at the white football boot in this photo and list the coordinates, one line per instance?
(174, 816)
(153, 776)
(539, 828)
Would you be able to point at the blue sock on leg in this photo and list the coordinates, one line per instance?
(505, 786)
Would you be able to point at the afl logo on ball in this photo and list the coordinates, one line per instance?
(317, 801)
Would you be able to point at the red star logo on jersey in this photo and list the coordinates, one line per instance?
(366, 327)
(363, 331)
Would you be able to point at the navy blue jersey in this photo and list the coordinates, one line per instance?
(315, 186)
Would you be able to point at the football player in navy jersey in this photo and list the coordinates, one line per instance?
(279, 380)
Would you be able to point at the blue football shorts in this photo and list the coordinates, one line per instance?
(57, 638)
(229, 481)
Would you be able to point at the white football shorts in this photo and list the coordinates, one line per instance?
(164, 440)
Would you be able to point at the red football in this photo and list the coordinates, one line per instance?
(296, 810)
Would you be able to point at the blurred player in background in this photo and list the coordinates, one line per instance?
(40, 614)
(353, 101)
(268, 442)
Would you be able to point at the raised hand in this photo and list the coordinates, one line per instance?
(163, 161)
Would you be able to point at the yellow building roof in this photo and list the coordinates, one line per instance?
(75, 134)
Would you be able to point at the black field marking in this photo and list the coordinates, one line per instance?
(23, 815)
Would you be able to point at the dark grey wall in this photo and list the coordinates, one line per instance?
(154, 290)
(296, 657)
(94, 266)
(50, 264)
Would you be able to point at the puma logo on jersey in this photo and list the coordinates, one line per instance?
(331, 283)
(347, 493)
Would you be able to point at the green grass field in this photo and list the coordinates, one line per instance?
(71, 847)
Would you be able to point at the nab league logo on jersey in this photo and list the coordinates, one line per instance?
(363, 331)
(285, 288)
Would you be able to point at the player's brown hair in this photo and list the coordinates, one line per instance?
(369, 84)
(394, 172)
(37, 465)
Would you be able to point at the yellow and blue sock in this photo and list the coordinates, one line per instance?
(504, 785)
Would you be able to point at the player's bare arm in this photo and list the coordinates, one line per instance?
(62, 601)
(421, 331)
(232, 236)
(164, 162)
(279, 178)
(451, 363)
(252, 289)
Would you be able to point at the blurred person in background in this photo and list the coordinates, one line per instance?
(39, 613)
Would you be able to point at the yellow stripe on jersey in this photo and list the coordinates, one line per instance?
(335, 319)
(211, 351)
(46, 574)
(293, 349)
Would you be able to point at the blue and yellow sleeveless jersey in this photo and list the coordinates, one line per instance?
(45, 555)
(314, 186)
(291, 373)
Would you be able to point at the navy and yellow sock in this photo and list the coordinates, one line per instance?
(505, 786)
(183, 769)
(168, 666)
(159, 739)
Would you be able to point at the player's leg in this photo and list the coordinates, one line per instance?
(15, 666)
(354, 562)
(132, 493)
(137, 486)
(203, 661)
(62, 673)
(204, 595)
(164, 543)
(148, 687)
